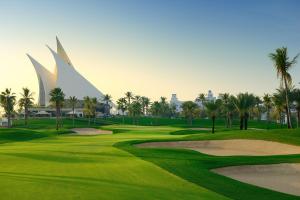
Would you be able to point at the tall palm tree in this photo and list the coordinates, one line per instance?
(267, 101)
(8, 101)
(212, 108)
(88, 108)
(73, 101)
(155, 110)
(190, 110)
(243, 103)
(26, 101)
(129, 96)
(122, 105)
(57, 98)
(283, 64)
(107, 100)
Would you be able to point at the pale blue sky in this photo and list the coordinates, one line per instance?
(154, 47)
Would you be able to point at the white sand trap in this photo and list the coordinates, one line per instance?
(230, 147)
(90, 131)
(280, 177)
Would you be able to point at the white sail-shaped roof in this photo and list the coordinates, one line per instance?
(71, 82)
(47, 81)
(62, 53)
(65, 77)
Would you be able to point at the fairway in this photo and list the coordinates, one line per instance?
(40, 163)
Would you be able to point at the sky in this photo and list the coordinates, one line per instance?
(152, 47)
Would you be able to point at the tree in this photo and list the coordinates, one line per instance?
(190, 110)
(129, 96)
(94, 103)
(201, 98)
(88, 108)
(296, 99)
(155, 110)
(279, 102)
(145, 104)
(73, 101)
(8, 101)
(267, 101)
(135, 110)
(164, 107)
(243, 103)
(122, 105)
(107, 101)
(25, 102)
(283, 64)
(212, 108)
(57, 98)
(225, 98)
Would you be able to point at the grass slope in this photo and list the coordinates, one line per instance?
(38, 163)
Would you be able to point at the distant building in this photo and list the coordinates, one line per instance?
(210, 96)
(175, 102)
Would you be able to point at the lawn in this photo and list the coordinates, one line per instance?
(36, 162)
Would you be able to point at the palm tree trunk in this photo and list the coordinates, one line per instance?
(57, 117)
(8, 120)
(289, 124)
(26, 115)
(213, 125)
(298, 118)
(246, 120)
(73, 115)
(241, 122)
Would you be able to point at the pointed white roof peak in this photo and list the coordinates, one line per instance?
(62, 53)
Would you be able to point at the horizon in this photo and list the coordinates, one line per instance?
(152, 48)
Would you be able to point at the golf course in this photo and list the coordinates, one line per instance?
(38, 162)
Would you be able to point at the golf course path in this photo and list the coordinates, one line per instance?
(280, 177)
(90, 131)
(230, 147)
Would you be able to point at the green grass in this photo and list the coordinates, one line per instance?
(37, 162)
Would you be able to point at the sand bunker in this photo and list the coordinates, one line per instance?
(230, 147)
(280, 177)
(200, 129)
(90, 131)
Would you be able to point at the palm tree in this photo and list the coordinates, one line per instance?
(135, 110)
(190, 110)
(283, 64)
(279, 102)
(8, 101)
(26, 101)
(94, 103)
(267, 100)
(122, 105)
(57, 98)
(201, 98)
(145, 104)
(243, 103)
(107, 101)
(225, 98)
(88, 108)
(296, 98)
(129, 96)
(155, 110)
(212, 108)
(73, 101)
